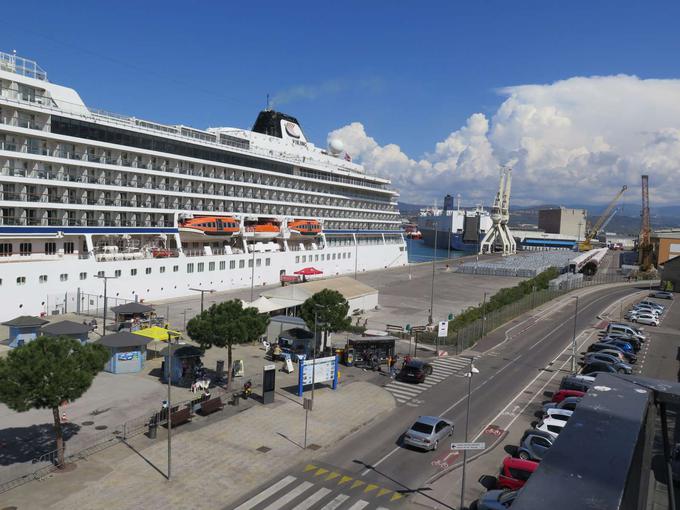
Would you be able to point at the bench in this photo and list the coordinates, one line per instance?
(181, 416)
(212, 405)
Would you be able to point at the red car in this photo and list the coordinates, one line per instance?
(514, 473)
(559, 396)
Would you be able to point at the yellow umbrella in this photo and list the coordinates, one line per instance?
(157, 333)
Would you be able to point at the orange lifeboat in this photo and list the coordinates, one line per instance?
(262, 231)
(304, 227)
(211, 225)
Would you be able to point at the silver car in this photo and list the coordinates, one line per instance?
(427, 431)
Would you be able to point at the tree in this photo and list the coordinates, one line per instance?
(331, 310)
(48, 371)
(225, 324)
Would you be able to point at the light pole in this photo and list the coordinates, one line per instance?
(484, 315)
(203, 291)
(252, 273)
(578, 238)
(434, 258)
(316, 321)
(473, 370)
(184, 313)
(106, 279)
(408, 256)
(356, 255)
(573, 341)
(169, 409)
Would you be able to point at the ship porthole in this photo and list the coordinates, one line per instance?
(147, 291)
(42, 304)
(21, 306)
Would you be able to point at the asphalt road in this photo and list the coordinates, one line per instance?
(373, 462)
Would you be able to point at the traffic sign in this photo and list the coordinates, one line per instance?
(468, 446)
(443, 328)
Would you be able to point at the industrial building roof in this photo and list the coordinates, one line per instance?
(671, 233)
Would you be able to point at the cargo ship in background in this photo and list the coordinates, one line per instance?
(163, 209)
(456, 228)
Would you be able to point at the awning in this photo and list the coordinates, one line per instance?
(266, 305)
(157, 333)
(309, 271)
(131, 308)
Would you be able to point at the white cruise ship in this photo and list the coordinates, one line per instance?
(168, 208)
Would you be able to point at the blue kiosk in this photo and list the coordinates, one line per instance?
(23, 329)
(75, 330)
(128, 352)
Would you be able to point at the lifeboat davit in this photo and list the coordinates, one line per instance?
(213, 226)
(263, 231)
(307, 228)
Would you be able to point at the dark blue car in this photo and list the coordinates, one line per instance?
(627, 347)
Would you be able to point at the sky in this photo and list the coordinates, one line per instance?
(579, 98)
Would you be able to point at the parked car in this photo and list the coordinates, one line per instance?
(647, 318)
(653, 304)
(427, 431)
(415, 371)
(602, 346)
(551, 426)
(661, 294)
(515, 472)
(617, 327)
(646, 309)
(568, 403)
(627, 347)
(570, 382)
(558, 414)
(608, 358)
(560, 395)
(534, 445)
(495, 500)
(600, 366)
(634, 340)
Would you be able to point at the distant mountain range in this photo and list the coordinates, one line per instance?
(626, 221)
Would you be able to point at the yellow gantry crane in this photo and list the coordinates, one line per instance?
(586, 245)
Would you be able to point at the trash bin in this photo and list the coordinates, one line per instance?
(153, 429)
(349, 357)
(235, 398)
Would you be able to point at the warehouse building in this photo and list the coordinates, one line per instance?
(570, 222)
(666, 245)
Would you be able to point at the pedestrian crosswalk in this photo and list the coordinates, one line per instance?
(442, 368)
(321, 488)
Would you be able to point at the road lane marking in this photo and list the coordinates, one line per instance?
(337, 501)
(314, 498)
(289, 496)
(359, 505)
(260, 497)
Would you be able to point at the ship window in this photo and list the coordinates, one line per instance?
(117, 273)
(223, 265)
(42, 278)
(241, 264)
(323, 257)
(21, 280)
(304, 258)
(267, 262)
(133, 272)
(316, 258)
(63, 277)
(69, 247)
(250, 262)
(50, 248)
(25, 248)
(175, 269)
(148, 270)
(100, 274)
(232, 264)
(83, 276)
(258, 263)
(201, 267)
(211, 266)
(5, 249)
(334, 256)
(349, 255)
(297, 259)
(190, 268)
(161, 269)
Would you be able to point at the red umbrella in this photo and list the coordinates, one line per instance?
(308, 271)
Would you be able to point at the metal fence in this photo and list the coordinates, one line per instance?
(466, 336)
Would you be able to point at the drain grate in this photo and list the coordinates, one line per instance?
(529, 392)
(86, 424)
(101, 427)
(263, 449)
(313, 446)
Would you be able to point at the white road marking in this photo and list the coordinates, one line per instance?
(260, 497)
(337, 501)
(311, 500)
(289, 496)
(359, 505)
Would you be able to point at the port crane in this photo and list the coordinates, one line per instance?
(645, 242)
(586, 244)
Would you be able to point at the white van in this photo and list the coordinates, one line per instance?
(626, 330)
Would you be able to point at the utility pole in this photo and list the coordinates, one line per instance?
(184, 313)
(573, 342)
(473, 370)
(203, 291)
(356, 255)
(434, 259)
(252, 273)
(484, 315)
(106, 279)
(169, 409)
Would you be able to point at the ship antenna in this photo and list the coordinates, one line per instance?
(269, 107)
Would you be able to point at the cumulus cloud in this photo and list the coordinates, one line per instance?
(573, 141)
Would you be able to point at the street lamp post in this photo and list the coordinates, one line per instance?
(252, 273)
(484, 315)
(184, 313)
(573, 341)
(203, 291)
(473, 370)
(169, 408)
(434, 259)
(356, 255)
(316, 322)
(106, 279)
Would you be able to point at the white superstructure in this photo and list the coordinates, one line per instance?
(84, 193)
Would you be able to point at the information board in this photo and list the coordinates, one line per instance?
(324, 369)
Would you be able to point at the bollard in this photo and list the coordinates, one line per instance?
(153, 429)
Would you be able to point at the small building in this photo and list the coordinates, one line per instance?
(23, 329)
(666, 245)
(561, 220)
(279, 323)
(132, 316)
(75, 330)
(186, 360)
(298, 342)
(128, 352)
(671, 273)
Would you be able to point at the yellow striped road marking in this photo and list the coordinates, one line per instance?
(321, 471)
(358, 483)
(309, 467)
(396, 496)
(333, 475)
(382, 492)
(370, 487)
(345, 479)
